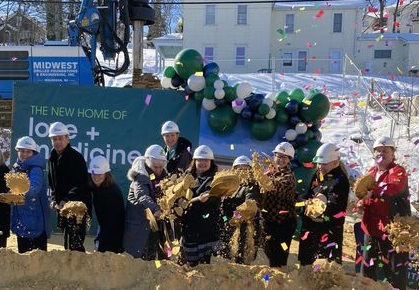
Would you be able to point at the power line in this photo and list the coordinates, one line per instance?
(180, 2)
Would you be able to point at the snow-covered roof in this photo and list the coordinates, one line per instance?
(320, 5)
(406, 37)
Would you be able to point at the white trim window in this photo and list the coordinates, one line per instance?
(209, 14)
(240, 55)
(302, 60)
(382, 53)
(242, 15)
(208, 54)
(289, 23)
(337, 22)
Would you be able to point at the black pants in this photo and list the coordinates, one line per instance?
(324, 240)
(74, 234)
(394, 265)
(278, 233)
(3, 242)
(28, 244)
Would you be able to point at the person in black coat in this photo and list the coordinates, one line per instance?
(201, 221)
(108, 204)
(4, 207)
(322, 236)
(67, 178)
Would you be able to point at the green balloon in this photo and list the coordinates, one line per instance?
(199, 96)
(169, 72)
(222, 119)
(263, 130)
(209, 93)
(281, 99)
(306, 153)
(187, 62)
(281, 116)
(230, 94)
(314, 108)
(309, 134)
(297, 94)
(210, 79)
(263, 109)
(304, 176)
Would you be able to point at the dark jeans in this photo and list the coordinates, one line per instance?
(3, 242)
(28, 244)
(324, 240)
(394, 265)
(278, 233)
(74, 234)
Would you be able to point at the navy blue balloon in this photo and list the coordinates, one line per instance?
(254, 101)
(315, 125)
(301, 139)
(219, 102)
(294, 120)
(211, 67)
(177, 81)
(258, 117)
(247, 113)
(292, 107)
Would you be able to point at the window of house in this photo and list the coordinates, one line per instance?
(242, 15)
(240, 55)
(302, 61)
(209, 54)
(382, 53)
(287, 59)
(289, 23)
(337, 22)
(210, 15)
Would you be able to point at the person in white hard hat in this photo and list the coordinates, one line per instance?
(4, 207)
(30, 220)
(145, 175)
(67, 178)
(109, 206)
(322, 234)
(390, 197)
(177, 148)
(240, 236)
(200, 223)
(278, 207)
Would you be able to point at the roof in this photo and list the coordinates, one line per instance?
(286, 4)
(406, 37)
(169, 45)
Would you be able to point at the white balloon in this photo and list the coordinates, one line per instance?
(196, 83)
(301, 128)
(208, 104)
(244, 90)
(218, 84)
(166, 82)
(290, 134)
(238, 105)
(219, 93)
(268, 101)
(271, 114)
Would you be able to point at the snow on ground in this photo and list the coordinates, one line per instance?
(352, 119)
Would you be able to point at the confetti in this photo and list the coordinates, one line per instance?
(300, 204)
(324, 238)
(231, 146)
(205, 216)
(199, 74)
(359, 260)
(283, 211)
(152, 176)
(316, 268)
(266, 278)
(305, 236)
(284, 246)
(339, 215)
(158, 264)
(320, 13)
(147, 100)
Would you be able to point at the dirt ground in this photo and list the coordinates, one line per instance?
(59, 269)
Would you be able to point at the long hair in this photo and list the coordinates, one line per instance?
(192, 167)
(109, 180)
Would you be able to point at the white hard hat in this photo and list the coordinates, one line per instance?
(285, 148)
(203, 152)
(99, 165)
(384, 141)
(155, 151)
(242, 160)
(326, 153)
(169, 127)
(27, 143)
(57, 129)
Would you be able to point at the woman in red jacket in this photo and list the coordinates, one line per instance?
(390, 197)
